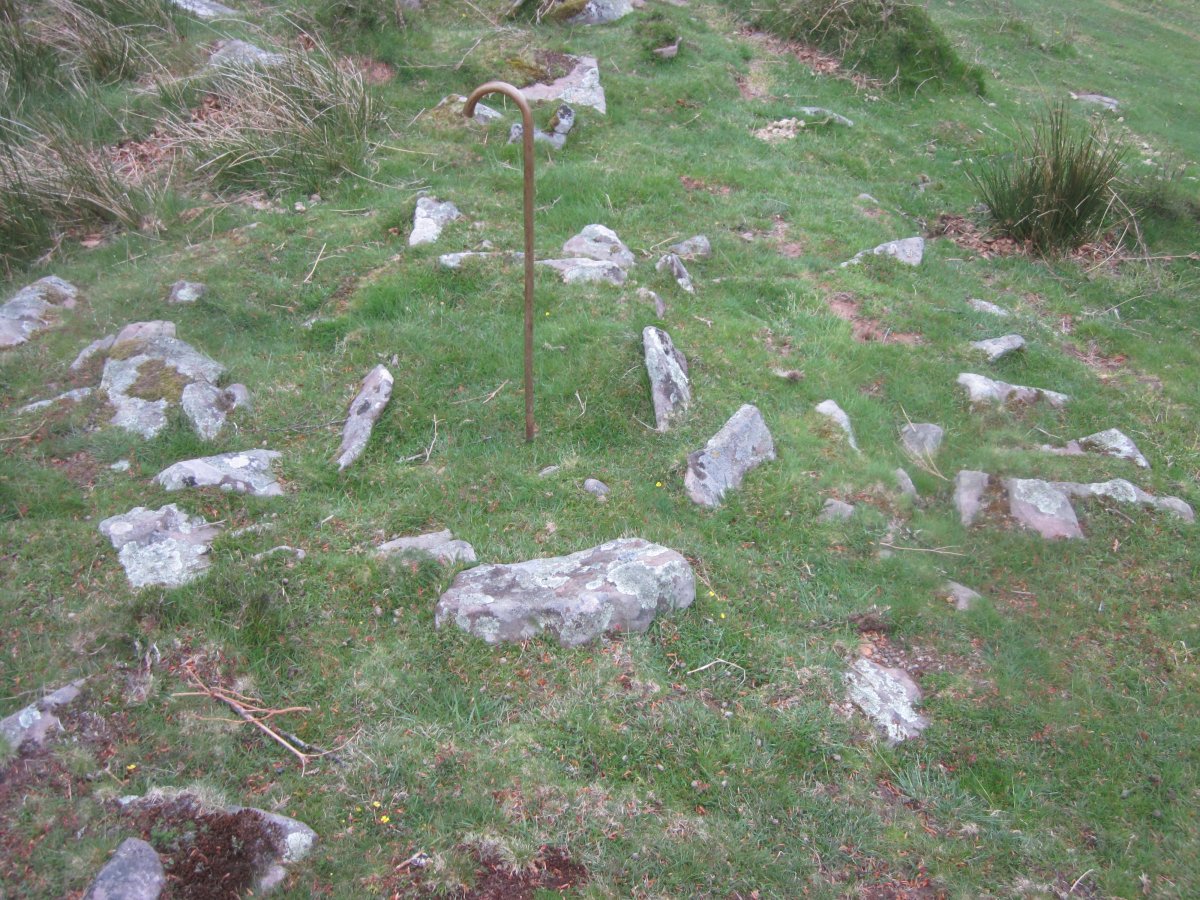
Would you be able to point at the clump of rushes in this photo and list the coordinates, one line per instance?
(1055, 188)
(893, 40)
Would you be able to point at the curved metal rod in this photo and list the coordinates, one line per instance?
(501, 87)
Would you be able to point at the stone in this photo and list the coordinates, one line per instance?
(596, 488)
(827, 115)
(296, 552)
(969, 488)
(962, 596)
(1108, 103)
(556, 137)
(1126, 492)
(33, 725)
(248, 472)
(579, 87)
(921, 440)
(835, 511)
(905, 483)
(133, 873)
(548, 471)
(94, 348)
(837, 415)
(429, 218)
(457, 260)
(1042, 507)
(237, 54)
(697, 247)
(887, 697)
(583, 271)
(998, 348)
(164, 547)
(1112, 442)
(660, 308)
(438, 545)
(75, 396)
(599, 242)
(296, 839)
(982, 390)
(619, 586)
(678, 270)
(186, 292)
(121, 465)
(670, 390)
(364, 411)
(909, 251)
(742, 444)
(456, 105)
(205, 9)
(990, 308)
(36, 307)
(601, 12)
(206, 407)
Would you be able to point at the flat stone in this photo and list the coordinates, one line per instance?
(1126, 492)
(207, 407)
(233, 53)
(835, 511)
(364, 411)
(1112, 442)
(1108, 103)
(962, 596)
(579, 87)
(601, 12)
(742, 444)
(697, 247)
(144, 332)
(998, 348)
(670, 390)
(186, 292)
(922, 440)
(673, 264)
(205, 9)
(599, 242)
(905, 483)
(429, 218)
(133, 873)
(969, 488)
(992, 309)
(33, 725)
(1042, 507)
(828, 115)
(164, 547)
(583, 271)
(438, 545)
(75, 396)
(837, 415)
(548, 471)
(100, 346)
(887, 697)
(121, 465)
(615, 587)
(909, 251)
(35, 308)
(560, 126)
(458, 260)
(248, 472)
(456, 104)
(982, 390)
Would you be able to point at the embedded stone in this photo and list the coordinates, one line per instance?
(998, 348)
(438, 545)
(922, 440)
(205, 9)
(186, 292)
(560, 126)
(582, 271)
(596, 488)
(95, 347)
(1126, 492)
(837, 415)
(742, 444)
(33, 725)
(365, 410)
(599, 242)
(673, 264)
(969, 488)
(1042, 507)
(982, 390)
(835, 511)
(827, 115)
(234, 53)
(670, 390)
(165, 547)
(1113, 442)
(35, 308)
(619, 586)
(962, 596)
(909, 251)
(248, 472)
(74, 396)
(458, 260)
(207, 407)
(429, 218)
(579, 87)
(601, 12)
(905, 483)
(992, 309)
(456, 104)
(887, 697)
(697, 247)
(133, 873)
(1108, 103)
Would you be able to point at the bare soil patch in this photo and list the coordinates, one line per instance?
(696, 184)
(819, 62)
(846, 307)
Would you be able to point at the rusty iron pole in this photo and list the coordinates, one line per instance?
(501, 87)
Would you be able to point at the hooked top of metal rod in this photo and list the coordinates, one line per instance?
(496, 87)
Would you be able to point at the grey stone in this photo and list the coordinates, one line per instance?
(670, 390)
(697, 247)
(905, 483)
(236, 54)
(133, 873)
(601, 12)
(1126, 492)
(237, 396)
(909, 251)
(1042, 507)
(186, 292)
(1114, 443)
(922, 440)
(742, 444)
(820, 112)
(596, 488)
(95, 347)
(456, 103)
(429, 218)
(296, 838)
(989, 308)
(297, 552)
(619, 586)
(969, 488)
(660, 308)
(835, 511)
(560, 126)
(440, 545)
(998, 348)
(33, 725)
(1108, 103)
(678, 270)
(579, 87)
(121, 465)
(206, 407)
(160, 547)
(837, 415)
(35, 308)
(887, 697)
(248, 472)
(457, 260)
(583, 271)
(599, 242)
(964, 598)
(144, 332)
(548, 471)
(982, 390)
(364, 410)
(205, 9)
(74, 396)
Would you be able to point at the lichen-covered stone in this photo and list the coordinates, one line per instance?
(887, 697)
(599, 242)
(619, 586)
(1042, 507)
(580, 270)
(1113, 442)
(234, 53)
(997, 348)
(1126, 492)
(969, 488)
(601, 12)
(835, 510)
(247, 472)
(429, 218)
(579, 87)
(837, 415)
(35, 308)
(670, 390)
(982, 390)
(742, 444)
(673, 264)
(185, 292)
(164, 547)
(697, 247)
(33, 725)
(596, 488)
(364, 410)
(133, 873)
(907, 250)
(991, 309)
(961, 596)
(205, 9)
(438, 545)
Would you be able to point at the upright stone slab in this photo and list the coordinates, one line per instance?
(429, 218)
(619, 586)
(247, 472)
(364, 411)
(742, 444)
(673, 264)
(887, 696)
(670, 390)
(134, 873)
(601, 12)
(969, 488)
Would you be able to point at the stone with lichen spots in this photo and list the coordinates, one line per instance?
(364, 410)
(437, 545)
(1042, 507)
(667, 368)
(133, 873)
(697, 247)
(1113, 442)
(599, 242)
(35, 308)
(581, 270)
(429, 218)
(33, 725)
(982, 390)
(164, 547)
(998, 348)
(922, 440)
(247, 472)
(742, 444)
(962, 596)
(909, 251)
(887, 697)
(673, 264)
(1126, 492)
(579, 87)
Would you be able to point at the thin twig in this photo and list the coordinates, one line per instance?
(940, 550)
(424, 456)
(716, 662)
(27, 436)
(316, 262)
(486, 398)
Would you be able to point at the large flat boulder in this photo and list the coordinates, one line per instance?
(742, 444)
(618, 586)
(579, 87)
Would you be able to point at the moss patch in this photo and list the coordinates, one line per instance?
(158, 381)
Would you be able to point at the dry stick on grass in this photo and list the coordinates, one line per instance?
(27, 435)
(486, 398)
(428, 451)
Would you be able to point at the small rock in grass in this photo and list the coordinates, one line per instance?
(667, 368)
(982, 390)
(909, 251)
(696, 247)
(429, 218)
(579, 87)
(234, 53)
(837, 415)
(835, 511)
(205, 9)
(548, 471)
(1042, 507)
(75, 396)
(601, 243)
(969, 488)
(33, 725)
(887, 697)
(1108, 103)
(905, 483)
(365, 409)
(596, 488)
(133, 873)
(164, 547)
(998, 348)
(582, 270)
(660, 308)
(922, 439)
(963, 597)
(439, 545)
(248, 472)
(121, 465)
(1125, 492)
(601, 12)
(678, 270)
(742, 444)
(990, 308)
(35, 308)
(1113, 442)
(186, 292)
(828, 115)
(484, 114)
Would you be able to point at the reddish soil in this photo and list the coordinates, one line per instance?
(969, 236)
(80, 468)
(695, 184)
(1094, 358)
(846, 307)
(553, 871)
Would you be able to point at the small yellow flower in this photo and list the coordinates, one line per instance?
(712, 593)
(547, 312)
(376, 804)
(658, 484)
(722, 615)
(131, 767)
(384, 819)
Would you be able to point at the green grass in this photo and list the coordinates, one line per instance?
(1062, 749)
